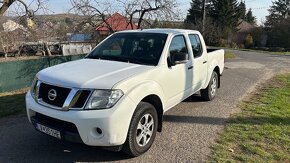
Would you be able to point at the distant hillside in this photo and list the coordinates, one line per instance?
(59, 17)
(40, 19)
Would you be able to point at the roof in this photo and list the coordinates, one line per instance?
(163, 30)
(117, 22)
(245, 27)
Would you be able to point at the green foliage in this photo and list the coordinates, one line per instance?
(155, 24)
(242, 10)
(279, 11)
(195, 12)
(260, 133)
(229, 55)
(68, 21)
(226, 15)
(259, 37)
(279, 35)
(278, 24)
(222, 43)
(249, 41)
(222, 19)
(250, 18)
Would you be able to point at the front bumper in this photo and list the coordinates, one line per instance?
(67, 132)
(113, 122)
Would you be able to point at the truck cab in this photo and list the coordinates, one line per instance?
(116, 96)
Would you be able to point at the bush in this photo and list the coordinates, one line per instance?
(279, 35)
(259, 36)
(234, 45)
(222, 43)
(260, 48)
(276, 49)
(241, 46)
(249, 41)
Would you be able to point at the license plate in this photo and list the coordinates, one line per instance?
(48, 131)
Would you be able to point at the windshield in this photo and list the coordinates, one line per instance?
(139, 48)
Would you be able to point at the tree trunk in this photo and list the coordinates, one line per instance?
(5, 6)
(47, 49)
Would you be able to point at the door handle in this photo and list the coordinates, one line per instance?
(204, 62)
(190, 67)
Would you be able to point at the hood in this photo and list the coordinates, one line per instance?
(90, 73)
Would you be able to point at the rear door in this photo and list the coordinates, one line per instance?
(199, 61)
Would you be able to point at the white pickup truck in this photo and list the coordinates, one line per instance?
(117, 95)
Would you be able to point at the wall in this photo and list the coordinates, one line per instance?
(19, 74)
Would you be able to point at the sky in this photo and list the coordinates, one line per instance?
(259, 7)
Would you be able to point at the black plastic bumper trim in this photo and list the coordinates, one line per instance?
(65, 135)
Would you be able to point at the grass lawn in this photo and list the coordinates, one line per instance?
(261, 132)
(281, 53)
(12, 103)
(261, 51)
(229, 55)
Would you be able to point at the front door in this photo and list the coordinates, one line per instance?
(178, 79)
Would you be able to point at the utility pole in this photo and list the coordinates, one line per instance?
(204, 16)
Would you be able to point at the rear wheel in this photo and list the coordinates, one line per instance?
(210, 91)
(142, 130)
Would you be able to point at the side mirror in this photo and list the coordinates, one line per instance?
(177, 58)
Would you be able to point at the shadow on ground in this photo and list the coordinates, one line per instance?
(36, 147)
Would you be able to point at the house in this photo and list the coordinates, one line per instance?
(244, 29)
(117, 22)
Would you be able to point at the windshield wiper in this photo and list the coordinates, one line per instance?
(120, 59)
(108, 58)
(137, 61)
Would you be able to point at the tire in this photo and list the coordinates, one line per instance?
(210, 91)
(145, 112)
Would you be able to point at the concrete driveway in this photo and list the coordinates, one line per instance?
(189, 128)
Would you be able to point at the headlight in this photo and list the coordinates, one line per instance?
(33, 88)
(104, 99)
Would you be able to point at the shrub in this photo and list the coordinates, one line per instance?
(276, 49)
(241, 46)
(222, 42)
(234, 45)
(249, 41)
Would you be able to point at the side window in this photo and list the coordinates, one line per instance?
(178, 45)
(195, 45)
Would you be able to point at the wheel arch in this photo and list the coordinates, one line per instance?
(217, 70)
(157, 103)
(151, 92)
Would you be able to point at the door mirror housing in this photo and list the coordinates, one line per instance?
(177, 58)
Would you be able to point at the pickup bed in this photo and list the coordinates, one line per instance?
(116, 96)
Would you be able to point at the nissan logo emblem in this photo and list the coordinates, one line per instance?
(52, 95)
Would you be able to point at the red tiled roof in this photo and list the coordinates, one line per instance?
(117, 22)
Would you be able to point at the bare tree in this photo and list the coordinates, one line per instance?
(150, 9)
(97, 12)
(19, 10)
(5, 4)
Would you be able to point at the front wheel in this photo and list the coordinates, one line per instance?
(142, 130)
(210, 91)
